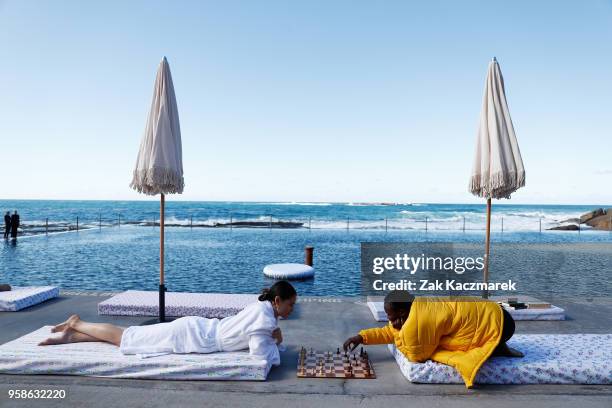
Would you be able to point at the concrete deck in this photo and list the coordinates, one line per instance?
(317, 323)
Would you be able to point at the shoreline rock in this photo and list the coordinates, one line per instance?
(599, 219)
(570, 227)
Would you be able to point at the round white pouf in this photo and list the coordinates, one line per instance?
(288, 271)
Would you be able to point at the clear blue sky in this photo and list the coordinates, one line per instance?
(305, 101)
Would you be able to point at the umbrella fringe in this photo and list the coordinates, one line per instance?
(498, 185)
(157, 181)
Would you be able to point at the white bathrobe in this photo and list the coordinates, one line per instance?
(251, 328)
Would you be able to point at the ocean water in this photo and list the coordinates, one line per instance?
(444, 217)
(567, 263)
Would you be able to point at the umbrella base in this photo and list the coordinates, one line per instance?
(162, 308)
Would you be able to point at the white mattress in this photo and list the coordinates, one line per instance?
(146, 303)
(20, 297)
(378, 311)
(553, 313)
(549, 359)
(23, 356)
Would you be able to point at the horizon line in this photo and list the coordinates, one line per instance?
(381, 203)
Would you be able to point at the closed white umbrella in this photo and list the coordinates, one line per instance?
(498, 167)
(159, 166)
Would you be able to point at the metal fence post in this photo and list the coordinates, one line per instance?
(502, 224)
(191, 222)
(464, 223)
(426, 219)
(348, 221)
(47, 225)
(309, 222)
(99, 220)
(540, 225)
(77, 222)
(386, 223)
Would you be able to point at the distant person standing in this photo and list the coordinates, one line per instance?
(7, 224)
(14, 224)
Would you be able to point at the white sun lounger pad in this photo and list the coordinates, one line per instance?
(20, 297)
(24, 356)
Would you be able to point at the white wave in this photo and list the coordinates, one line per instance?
(377, 204)
(299, 203)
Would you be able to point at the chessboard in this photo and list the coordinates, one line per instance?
(339, 364)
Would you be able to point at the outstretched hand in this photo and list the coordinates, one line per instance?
(352, 342)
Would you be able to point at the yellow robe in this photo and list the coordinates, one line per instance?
(460, 332)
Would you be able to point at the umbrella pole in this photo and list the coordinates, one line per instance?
(162, 288)
(485, 293)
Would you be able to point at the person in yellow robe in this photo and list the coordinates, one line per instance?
(461, 332)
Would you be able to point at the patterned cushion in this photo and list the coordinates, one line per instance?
(146, 303)
(20, 297)
(23, 356)
(549, 359)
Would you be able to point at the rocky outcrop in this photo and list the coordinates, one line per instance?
(260, 224)
(599, 219)
(570, 227)
(584, 218)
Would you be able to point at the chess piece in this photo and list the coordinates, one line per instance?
(338, 351)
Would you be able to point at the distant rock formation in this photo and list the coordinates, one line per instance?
(570, 227)
(260, 224)
(599, 219)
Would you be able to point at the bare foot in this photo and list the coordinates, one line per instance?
(67, 324)
(64, 338)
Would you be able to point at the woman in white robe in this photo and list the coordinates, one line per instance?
(254, 328)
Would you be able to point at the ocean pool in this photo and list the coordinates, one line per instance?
(231, 260)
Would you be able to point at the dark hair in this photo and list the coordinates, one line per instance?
(282, 289)
(399, 300)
